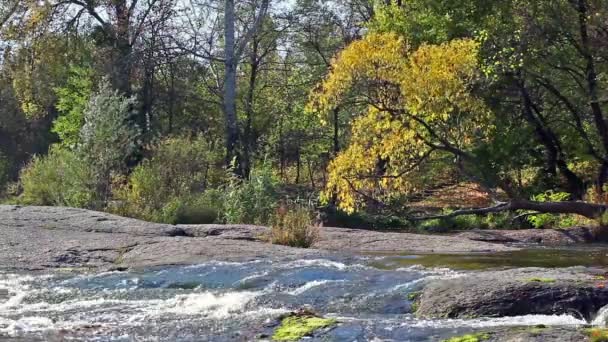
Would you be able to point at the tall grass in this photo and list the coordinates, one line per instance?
(294, 227)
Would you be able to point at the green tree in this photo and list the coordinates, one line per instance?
(71, 104)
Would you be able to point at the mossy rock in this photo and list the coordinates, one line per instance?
(477, 337)
(541, 280)
(597, 334)
(295, 327)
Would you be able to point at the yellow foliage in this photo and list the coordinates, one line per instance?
(414, 102)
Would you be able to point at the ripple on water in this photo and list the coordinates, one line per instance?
(228, 301)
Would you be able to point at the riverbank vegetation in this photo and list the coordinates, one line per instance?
(431, 115)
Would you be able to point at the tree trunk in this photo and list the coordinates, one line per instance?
(230, 64)
(124, 48)
(589, 210)
(249, 109)
(336, 138)
(593, 87)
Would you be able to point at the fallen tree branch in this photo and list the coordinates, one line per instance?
(589, 210)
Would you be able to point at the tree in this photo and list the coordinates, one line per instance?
(233, 50)
(419, 105)
(550, 67)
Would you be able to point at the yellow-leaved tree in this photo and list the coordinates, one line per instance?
(415, 105)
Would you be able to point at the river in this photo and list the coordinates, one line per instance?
(219, 301)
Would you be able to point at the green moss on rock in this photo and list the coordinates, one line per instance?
(293, 328)
(597, 334)
(477, 337)
(541, 280)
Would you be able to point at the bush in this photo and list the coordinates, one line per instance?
(294, 228)
(466, 222)
(359, 220)
(171, 186)
(108, 138)
(60, 179)
(253, 200)
(546, 220)
(4, 172)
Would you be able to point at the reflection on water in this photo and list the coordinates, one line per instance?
(587, 255)
(219, 301)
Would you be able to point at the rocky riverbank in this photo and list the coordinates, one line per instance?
(53, 239)
(37, 238)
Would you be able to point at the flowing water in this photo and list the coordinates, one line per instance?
(219, 301)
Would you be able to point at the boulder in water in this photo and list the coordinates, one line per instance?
(574, 291)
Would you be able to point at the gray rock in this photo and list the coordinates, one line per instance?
(577, 291)
(36, 238)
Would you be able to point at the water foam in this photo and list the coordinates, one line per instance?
(601, 318)
(323, 263)
(525, 320)
(208, 304)
(311, 284)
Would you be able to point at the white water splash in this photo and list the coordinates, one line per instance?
(322, 263)
(601, 318)
(311, 284)
(526, 320)
(208, 304)
(484, 322)
(17, 287)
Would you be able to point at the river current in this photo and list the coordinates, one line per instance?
(220, 301)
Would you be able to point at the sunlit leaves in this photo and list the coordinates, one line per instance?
(417, 102)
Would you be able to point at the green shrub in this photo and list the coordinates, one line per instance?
(60, 178)
(72, 100)
(171, 186)
(546, 220)
(4, 172)
(253, 200)
(203, 209)
(466, 222)
(294, 227)
(337, 218)
(108, 138)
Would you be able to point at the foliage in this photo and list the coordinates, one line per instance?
(108, 138)
(250, 200)
(466, 222)
(337, 218)
(433, 21)
(416, 100)
(4, 171)
(172, 185)
(293, 328)
(546, 220)
(60, 178)
(294, 227)
(72, 100)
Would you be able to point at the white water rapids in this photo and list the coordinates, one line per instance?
(229, 301)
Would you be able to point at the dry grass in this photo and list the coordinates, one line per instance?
(294, 227)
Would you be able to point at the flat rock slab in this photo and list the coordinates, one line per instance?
(548, 237)
(576, 291)
(358, 241)
(38, 238)
(51, 237)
